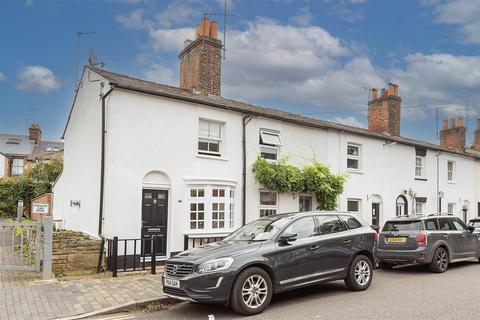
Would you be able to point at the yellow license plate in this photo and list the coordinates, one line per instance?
(397, 240)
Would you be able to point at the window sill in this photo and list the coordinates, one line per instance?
(354, 171)
(207, 233)
(204, 156)
(452, 182)
(421, 179)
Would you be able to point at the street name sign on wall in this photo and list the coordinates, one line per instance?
(40, 208)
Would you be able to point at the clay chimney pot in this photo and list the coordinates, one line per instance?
(452, 123)
(373, 94)
(445, 124)
(460, 122)
(213, 30)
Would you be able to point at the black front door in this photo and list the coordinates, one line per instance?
(154, 220)
(376, 214)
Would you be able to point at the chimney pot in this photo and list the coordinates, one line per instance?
(452, 123)
(478, 124)
(391, 89)
(445, 124)
(373, 94)
(213, 30)
(460, 122)
(384, 93)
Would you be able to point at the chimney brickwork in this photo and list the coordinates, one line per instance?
(35, 133)
(384, 111)
(476, 137)
(453, 136)
(200, 61)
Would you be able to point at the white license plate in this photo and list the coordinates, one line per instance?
(171, 283)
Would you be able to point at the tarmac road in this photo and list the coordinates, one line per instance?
(401, 293)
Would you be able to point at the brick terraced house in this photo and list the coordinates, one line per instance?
(17, 152)
(144, 159)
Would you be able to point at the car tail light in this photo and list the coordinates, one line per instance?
(376, 236)
(422, 239)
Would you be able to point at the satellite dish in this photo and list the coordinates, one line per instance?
(93, 59)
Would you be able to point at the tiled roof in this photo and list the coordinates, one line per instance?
(126, 82)
(22, 146)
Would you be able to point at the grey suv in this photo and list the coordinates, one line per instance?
(436, 240)
(476, 224)
(274, 254)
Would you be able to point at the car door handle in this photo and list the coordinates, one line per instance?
(347, 241)
(314, 247)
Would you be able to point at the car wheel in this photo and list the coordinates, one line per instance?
(251, 292)
(385, 265)
(360, 274)
(439, 262)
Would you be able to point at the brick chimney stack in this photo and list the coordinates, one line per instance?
(476, 136)
(35, 133)
(384, 111)
(453, 136)
(200, 60)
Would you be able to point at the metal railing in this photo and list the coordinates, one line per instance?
(129, 258)
(190, 241)
(26, 246)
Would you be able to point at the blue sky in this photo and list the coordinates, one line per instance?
(315, 57)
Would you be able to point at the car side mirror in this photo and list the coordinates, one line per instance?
(287, 237)
(471, 228)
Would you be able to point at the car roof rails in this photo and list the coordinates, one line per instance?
(441, 214)
(410, 216)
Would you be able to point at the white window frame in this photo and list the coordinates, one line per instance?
(451, 175)
(422, 167)
(209, 138)
(18, 166)
(354, 157)
(303, 196)
(272, 146)
(265, 208)
(451, 205)
(420, 205)
(359, 201)
(225, 198)
(195, 198)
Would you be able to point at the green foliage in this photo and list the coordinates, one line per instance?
(313, 178)
(37, 180)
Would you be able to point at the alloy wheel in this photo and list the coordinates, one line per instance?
(254, 291)
(442, 259)
(362, 272)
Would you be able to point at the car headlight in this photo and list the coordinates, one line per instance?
(215, 265)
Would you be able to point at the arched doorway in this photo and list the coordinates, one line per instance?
(155, 195)
(401, 206)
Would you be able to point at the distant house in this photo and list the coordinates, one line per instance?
(17, 152)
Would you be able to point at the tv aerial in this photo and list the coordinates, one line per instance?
(225, 14)
(93, 59)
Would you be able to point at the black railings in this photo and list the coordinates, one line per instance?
(136, 255)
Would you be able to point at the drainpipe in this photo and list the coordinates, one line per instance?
(439, 203)
(245, 120)
(102, 179)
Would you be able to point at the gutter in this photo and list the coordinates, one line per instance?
(102, 182)
(245, 120)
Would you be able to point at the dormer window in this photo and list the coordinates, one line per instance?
(270, 143)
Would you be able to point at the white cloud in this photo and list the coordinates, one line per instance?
(349, 121)
(134, 20)
(37, 79)
(303, 18)
(3, 77)
(161, 74)
(28, 3)
(462, 13)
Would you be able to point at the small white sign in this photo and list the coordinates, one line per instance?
(41, 208)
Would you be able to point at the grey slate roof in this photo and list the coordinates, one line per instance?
(129, 83)
(22, 146)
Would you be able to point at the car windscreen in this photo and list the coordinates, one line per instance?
(409, 225)
(259, 230)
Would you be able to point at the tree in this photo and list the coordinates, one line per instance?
(314, 178)
(37, 180)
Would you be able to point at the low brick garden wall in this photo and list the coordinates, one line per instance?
(74, 253)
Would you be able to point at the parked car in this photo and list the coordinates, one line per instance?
(436, 240)
(476, 224)
(271, 255)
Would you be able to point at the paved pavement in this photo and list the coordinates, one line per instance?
(24, 296)
(404, 293)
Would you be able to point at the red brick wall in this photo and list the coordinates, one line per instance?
(384, 111)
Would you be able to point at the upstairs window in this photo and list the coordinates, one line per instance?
(420, 154)
(17, 167)
(209, 138)
(451, 208)
(270, 143)
(353, 156)
(451, 171)
(353, 205)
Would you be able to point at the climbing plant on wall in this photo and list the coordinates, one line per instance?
(315, 178)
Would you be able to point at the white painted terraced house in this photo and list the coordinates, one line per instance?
(143, 158)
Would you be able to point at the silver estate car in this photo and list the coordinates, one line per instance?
(435, 240)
